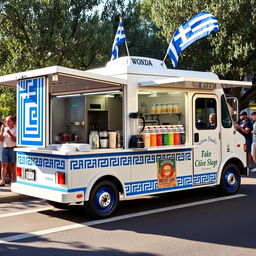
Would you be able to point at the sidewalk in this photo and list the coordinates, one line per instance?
(6, 195)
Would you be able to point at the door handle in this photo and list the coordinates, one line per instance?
(196, 137)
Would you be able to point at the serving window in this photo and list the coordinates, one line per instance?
(75, 116)
(162, 107)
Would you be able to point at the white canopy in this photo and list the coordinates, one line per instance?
(62, 80)
(194, 83)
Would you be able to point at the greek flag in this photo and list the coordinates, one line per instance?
(199, 26)
(119, 39)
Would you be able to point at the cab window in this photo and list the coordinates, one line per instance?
(206, 114)
(225, 116)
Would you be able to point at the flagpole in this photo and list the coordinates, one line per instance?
(126, 46)
(164, 59)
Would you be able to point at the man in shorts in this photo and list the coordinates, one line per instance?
(244, 126)
(253, 151)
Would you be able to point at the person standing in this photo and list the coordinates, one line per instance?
(8, 137)
(253, 150)
(1, 147)
(244, 126)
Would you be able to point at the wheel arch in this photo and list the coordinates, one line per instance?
(233, 160)
(102, 177)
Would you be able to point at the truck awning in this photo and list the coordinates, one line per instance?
(194, 83)
(66, 80)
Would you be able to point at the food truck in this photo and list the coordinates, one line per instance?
(132, 128)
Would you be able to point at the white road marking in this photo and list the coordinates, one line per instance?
(26, 212)
(117, 218)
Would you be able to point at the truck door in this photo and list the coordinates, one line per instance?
(206, 138)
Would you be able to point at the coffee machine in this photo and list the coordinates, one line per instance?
(136, 140)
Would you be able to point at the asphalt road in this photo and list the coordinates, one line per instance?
(196, 222)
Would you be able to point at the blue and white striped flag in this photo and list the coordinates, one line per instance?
(119, 39)
(199, 26)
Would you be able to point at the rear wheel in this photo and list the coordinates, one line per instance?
(230, 179)
(103, 200)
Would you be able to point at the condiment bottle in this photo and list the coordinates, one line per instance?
(158, 108)
(163, 108)
(170, 136)
(182, 136)
(153, 137)
(94, 140)
(118, 139)
(177, 136)
(169, 107)
(146, 137)
(159, 137)
(153, 108)
(165, 136)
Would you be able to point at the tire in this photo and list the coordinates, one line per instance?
(57, 205)
(103, 200)
(230, 180)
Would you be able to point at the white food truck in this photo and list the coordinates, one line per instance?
(80, 138)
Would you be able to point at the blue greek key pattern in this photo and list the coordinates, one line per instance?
(31, 112)
(184, 181)
(205, 178)
(101, 162)
(41, 162)
(151, 186)
(135, 188)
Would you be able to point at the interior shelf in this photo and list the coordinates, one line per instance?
(162, 113)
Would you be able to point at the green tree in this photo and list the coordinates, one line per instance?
(141, 33)
(7, 102)
(231, 52)
(36, 33)
(72, 33)
(39, 33)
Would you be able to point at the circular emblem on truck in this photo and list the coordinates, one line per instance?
(167, 170)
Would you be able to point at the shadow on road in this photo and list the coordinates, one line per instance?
(228, 222)
(78, 249)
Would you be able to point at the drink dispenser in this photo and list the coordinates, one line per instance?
(136, 140)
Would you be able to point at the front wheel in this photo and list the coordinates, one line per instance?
(230, 179)
(103, 200)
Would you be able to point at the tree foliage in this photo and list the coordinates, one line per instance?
(7, 102)
(38, 33)
(143, 37)
(77, 34)
(230, 52)
(71, 33)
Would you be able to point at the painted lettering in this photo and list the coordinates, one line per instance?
(200, 163)
(142, 62)
(206, 153)
(212, 163)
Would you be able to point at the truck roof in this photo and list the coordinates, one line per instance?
(149, 72)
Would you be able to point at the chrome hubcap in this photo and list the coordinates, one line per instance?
(104, 199)
(231, 179)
